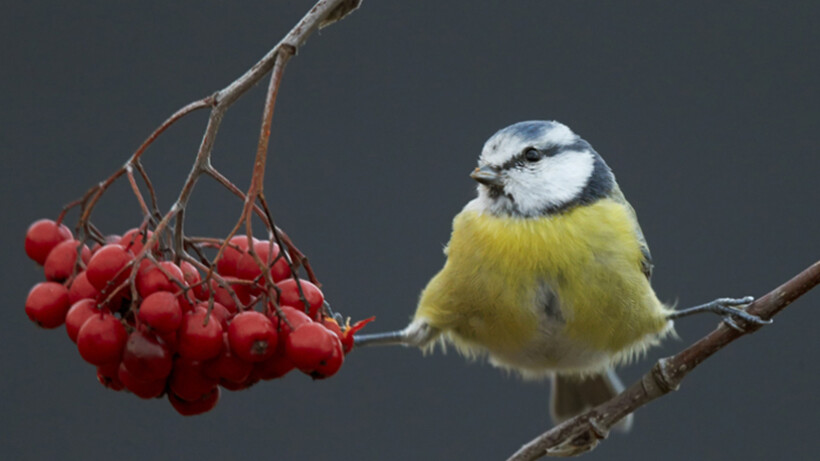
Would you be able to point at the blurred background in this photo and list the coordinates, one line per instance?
(706, 111)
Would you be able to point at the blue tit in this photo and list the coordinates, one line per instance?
(547, 271)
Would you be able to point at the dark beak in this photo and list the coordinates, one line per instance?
(487, 175)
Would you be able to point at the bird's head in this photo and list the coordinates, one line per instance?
(536, 168)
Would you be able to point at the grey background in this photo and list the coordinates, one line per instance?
(707, 112)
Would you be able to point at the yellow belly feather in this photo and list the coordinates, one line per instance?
(485, 294)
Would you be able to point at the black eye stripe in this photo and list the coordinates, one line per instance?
(552, 151)
(522, 158)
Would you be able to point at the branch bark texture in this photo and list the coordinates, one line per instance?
(587, 429)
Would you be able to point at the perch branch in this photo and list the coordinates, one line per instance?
(665, 376)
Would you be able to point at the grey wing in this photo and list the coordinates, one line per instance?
(646, 261)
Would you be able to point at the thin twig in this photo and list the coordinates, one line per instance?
(137, 193)
(275, 59)
(666, 375)
(92, 196)
(151, 191)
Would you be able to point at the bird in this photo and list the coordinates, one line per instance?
(547, 272)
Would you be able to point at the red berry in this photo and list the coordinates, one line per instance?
(205, 293)
(290, 296)
(199, 339)
(243, 294)
(248, 269)
(101, 339)
(295, 317)
(161, 311)
(193, 279)
(107, 268)
(274, 367)
(47, 304)
(332, 325)
(219, 311)
(253, 378)
(222, 313)
(226, 265)
(42, 236)
(134, 240)
(252, 336)
(315, 350)
(60, 262)
(151, 279)
(79, 312)
(280, 269)
(107, 240)
(140, 388)
(228, 366)
(188, 380)
(108, 376)
(239, 386)
(146, 358)
(203, 405)
(81, 288)
(170, 339)
(330, 365)
(186, 302)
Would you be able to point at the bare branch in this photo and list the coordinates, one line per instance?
(294, 40)
(587, 429)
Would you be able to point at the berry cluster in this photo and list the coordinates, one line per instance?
(155, 327)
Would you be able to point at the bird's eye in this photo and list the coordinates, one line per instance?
(532, 155)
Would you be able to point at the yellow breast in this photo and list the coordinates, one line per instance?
(589, 256)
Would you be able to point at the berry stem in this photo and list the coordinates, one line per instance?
(169, 227)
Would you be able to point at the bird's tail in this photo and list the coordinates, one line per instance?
(572, 395)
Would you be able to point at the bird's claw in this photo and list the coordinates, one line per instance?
(730, 322)
(733, 309)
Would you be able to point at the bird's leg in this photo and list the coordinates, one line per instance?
(729, 308)
(417, 334)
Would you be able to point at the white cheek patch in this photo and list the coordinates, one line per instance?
(553, 182)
